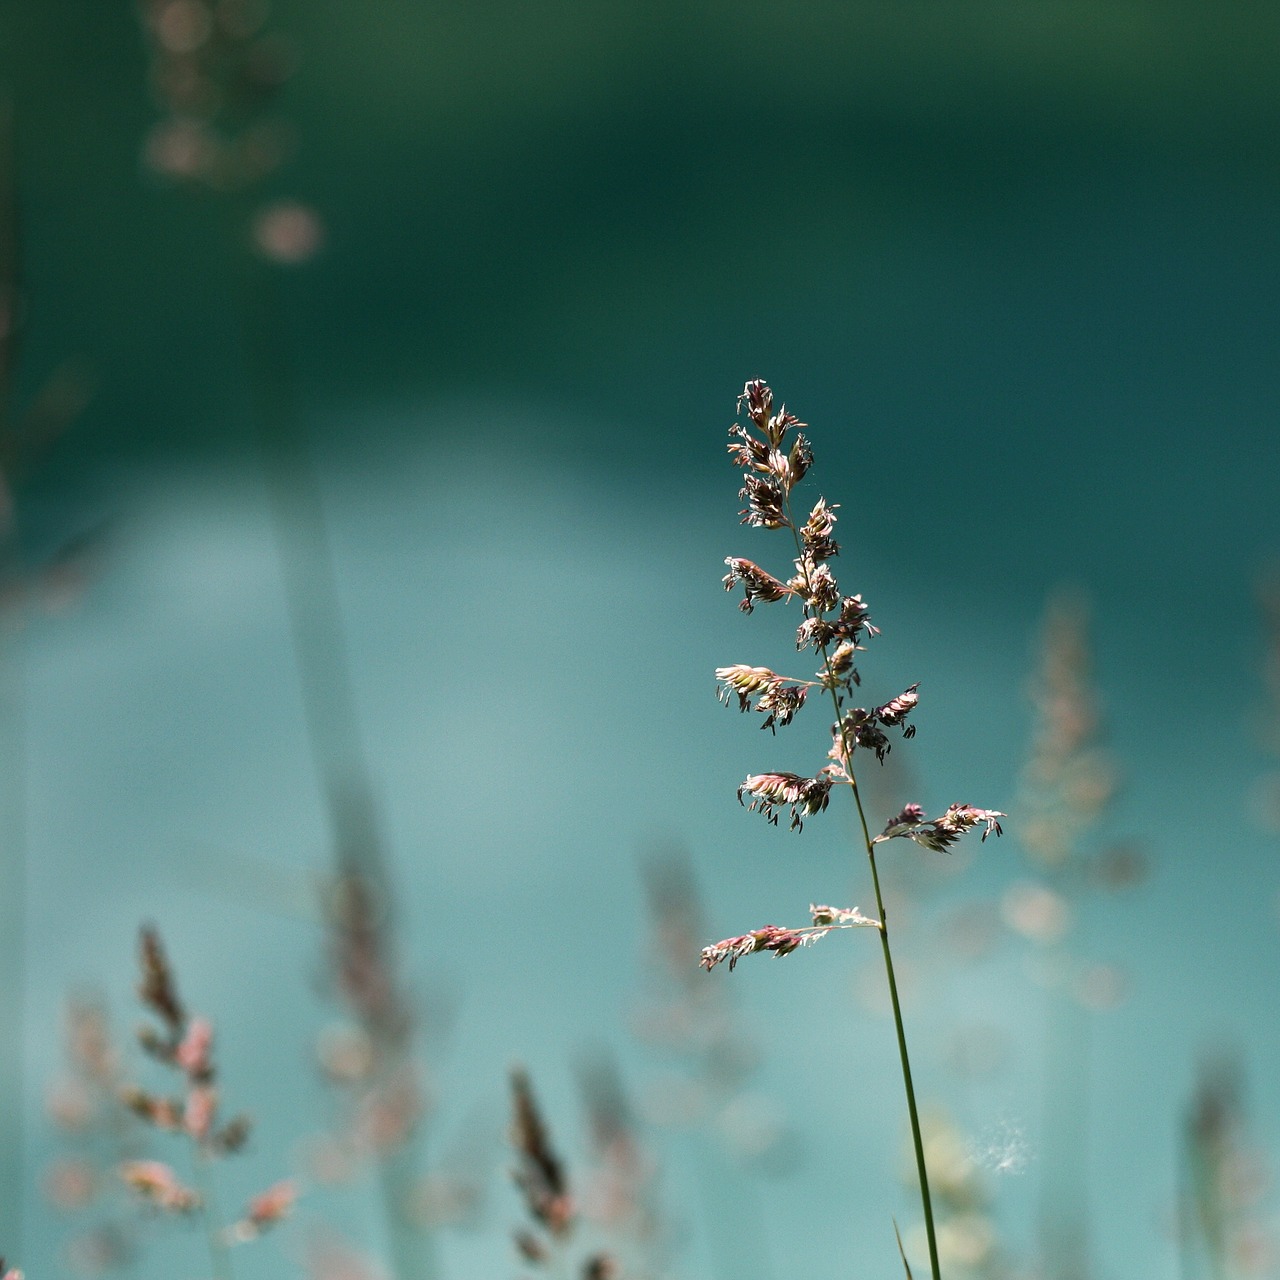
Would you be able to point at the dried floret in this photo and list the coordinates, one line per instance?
(816, 585)
(896, 710)
(747, 451)
(600, 1266)
(756, 583)
(840, 916)
(164, 1113)
(815, 633)
(759, 401)
(780, 703)
(765, 497)
(815, 533)
(854, 619)
(233, 1135)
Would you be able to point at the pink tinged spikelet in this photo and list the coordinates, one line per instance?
(776, 696)
(815, 533)
(194, 1054)
(862, 728)
(265, 1210)
(758, 398)
(772, 937)
(855, 618)
(747, 452)
(273, 1205)
(199, 1113)
(816, 585)
(765, 499)
(159, 1185)
(744, 681)
(756, 583)
(939, 834)
(771, 791)
(782, 942)
(287, 232)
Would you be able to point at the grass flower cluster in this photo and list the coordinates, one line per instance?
(184, 1044)
(775, 457)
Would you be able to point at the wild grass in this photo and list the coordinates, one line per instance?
(775, 458)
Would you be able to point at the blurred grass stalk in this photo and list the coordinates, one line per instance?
(708, 1098)
(1224, 1228)
(12, 940)
(214, 71)
(12, 754)
(26, 431)
(321, 656)
(1068, 785)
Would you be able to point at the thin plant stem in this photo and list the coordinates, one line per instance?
(917, 1139)
(321, 655)
(13, 851)
(846, 762)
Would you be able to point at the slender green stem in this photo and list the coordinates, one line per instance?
(917, 1139)
(321, 653)
(846, 762)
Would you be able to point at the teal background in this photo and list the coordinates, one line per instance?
(1015, 264)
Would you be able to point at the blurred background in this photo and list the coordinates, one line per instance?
(367, 374)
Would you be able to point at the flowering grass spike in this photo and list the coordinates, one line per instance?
(774, 458)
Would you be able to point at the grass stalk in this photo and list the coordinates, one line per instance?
(846, 763)
(321, 657)
(917, 1139)
(13, 853)
(771, 468)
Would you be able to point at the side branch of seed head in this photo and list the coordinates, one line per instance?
(939, 834)
(782, 941)
(772, 791)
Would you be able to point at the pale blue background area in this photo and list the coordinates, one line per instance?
(1020, 277)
